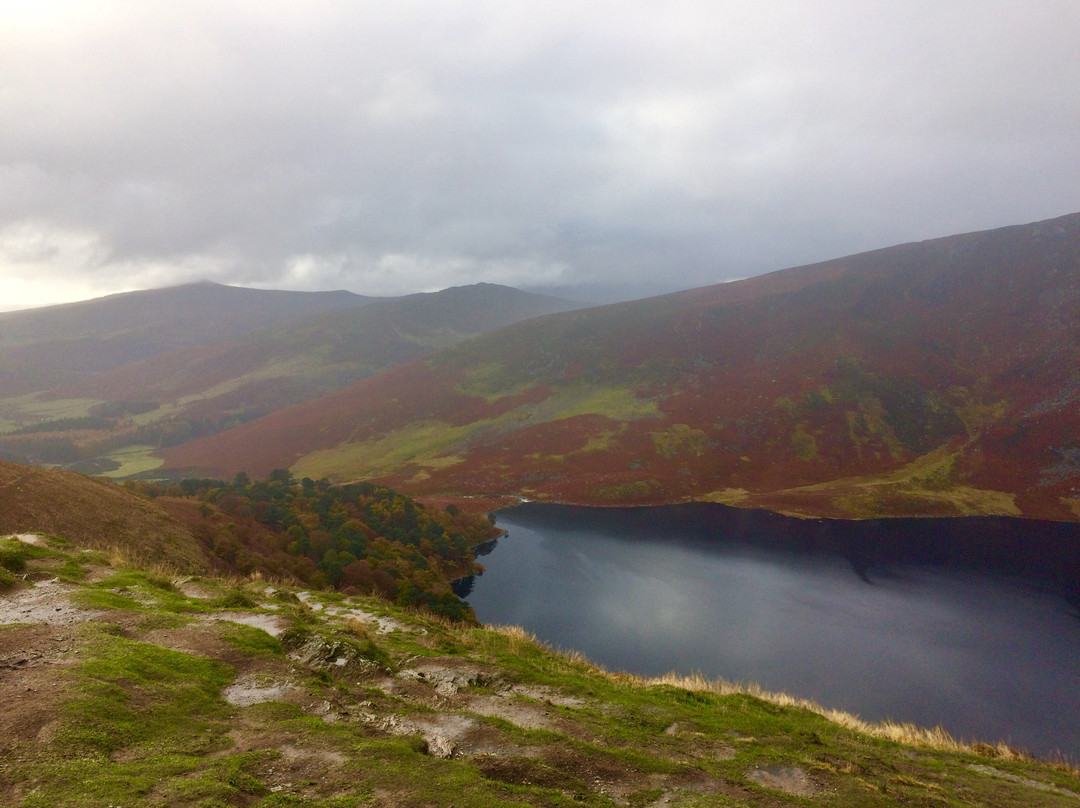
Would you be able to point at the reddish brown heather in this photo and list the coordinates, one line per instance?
(933, 378)
(94, 514)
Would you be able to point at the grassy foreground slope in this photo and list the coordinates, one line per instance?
(133, 686)
(938, 378)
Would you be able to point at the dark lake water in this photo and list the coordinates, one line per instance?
(972, 624)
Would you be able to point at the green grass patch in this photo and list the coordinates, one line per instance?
(490, 382)
(437, 445)
(138, 591)
(425, 444)
(29, 409)
(678, 439)
(104, 599)
(616, 403)
(12, 556)
(133, 460)
(925, 485)
(71, 571)
(250, 640)
(234, 599)
(143, 698)
(803, 443)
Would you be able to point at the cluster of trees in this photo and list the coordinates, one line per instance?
(358, 538)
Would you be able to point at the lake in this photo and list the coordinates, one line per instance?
(969, 623)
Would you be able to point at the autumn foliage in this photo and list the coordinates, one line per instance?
(359, 538)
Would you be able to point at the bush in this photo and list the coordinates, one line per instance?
(12, 558)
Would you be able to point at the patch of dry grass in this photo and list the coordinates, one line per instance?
(935, 738)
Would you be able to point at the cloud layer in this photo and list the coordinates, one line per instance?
(599, 148)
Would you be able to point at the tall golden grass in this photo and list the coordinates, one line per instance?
(901, 732)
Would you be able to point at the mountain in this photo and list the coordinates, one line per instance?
(198, 389)
(318, 354)
(131, 683)
(45, 347)
(933, 378)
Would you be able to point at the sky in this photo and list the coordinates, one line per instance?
(596, 150)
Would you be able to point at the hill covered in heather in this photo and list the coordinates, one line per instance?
(933, 378)
(172, 365)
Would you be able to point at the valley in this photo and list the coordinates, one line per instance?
(262, 607)
(940, 378)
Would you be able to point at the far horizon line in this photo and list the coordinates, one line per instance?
(559, 291)
(595, 293)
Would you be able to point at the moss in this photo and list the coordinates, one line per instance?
(678, 439)
(250, 640)
(234, 599)
(804, 444)
(143, 697)
(95, 599)
(12, 556)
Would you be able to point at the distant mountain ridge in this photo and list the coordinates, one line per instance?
(933, 378)
(44, 347)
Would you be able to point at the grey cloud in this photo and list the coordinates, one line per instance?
(612, 147)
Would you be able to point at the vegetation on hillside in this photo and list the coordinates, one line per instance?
(359, 538)
(822, 391)
(193, 376)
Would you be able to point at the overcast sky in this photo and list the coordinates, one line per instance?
(593, 149)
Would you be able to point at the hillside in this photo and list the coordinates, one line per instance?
(125, 686)
(46, 347)
(935, 378)
(363, 538)
(94, 514)
(320, 354)
(109, 421)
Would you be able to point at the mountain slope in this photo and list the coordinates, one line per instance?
(107, 422)
(93, 514)
(935, 378)
(45, 347)
(322, 353)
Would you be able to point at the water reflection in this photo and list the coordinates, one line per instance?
(966, 623)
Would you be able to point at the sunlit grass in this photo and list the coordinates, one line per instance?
(433, 445)
(21, 411)
(927, 484)
(133, 460)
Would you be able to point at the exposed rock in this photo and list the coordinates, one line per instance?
(256, 689)
(272, 624)
(1015, 778)
(790, 779)
(46, 602)
(440, 746)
